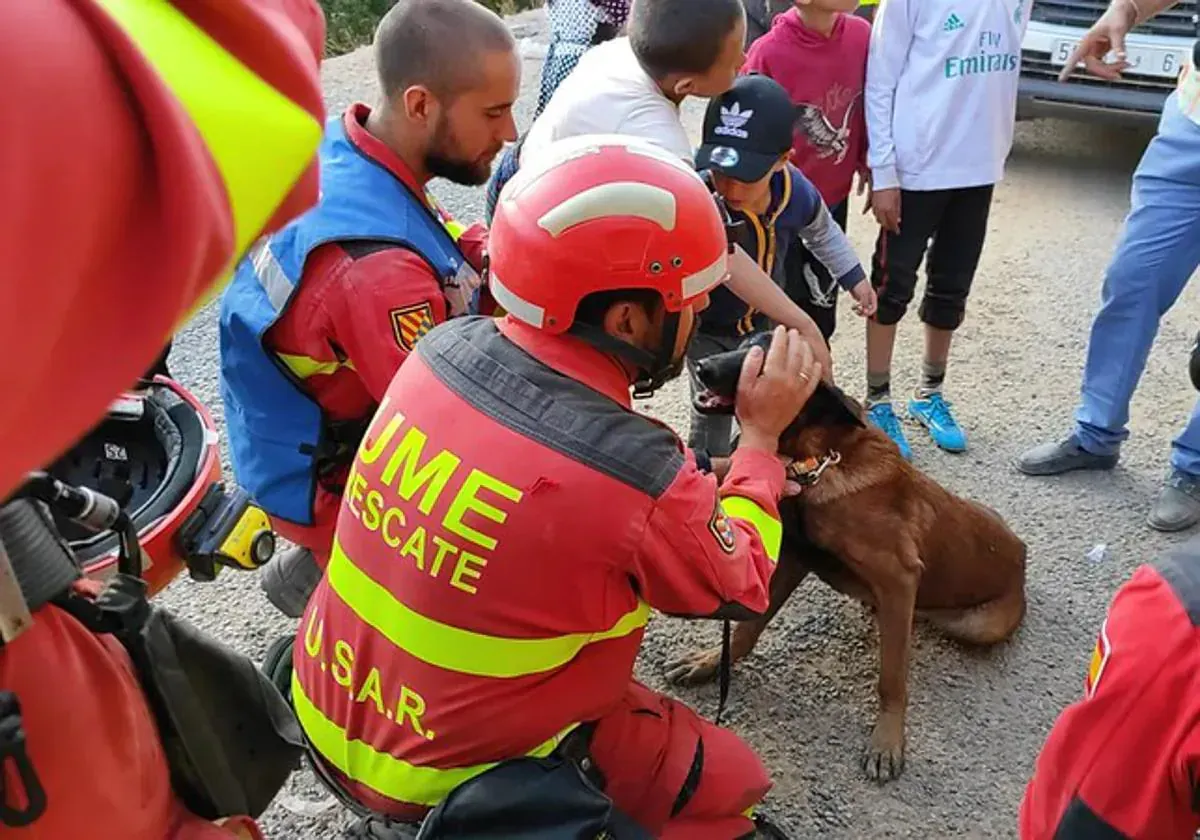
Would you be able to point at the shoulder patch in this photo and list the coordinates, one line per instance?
(410, 323)
(1100, 656)
(722, 529)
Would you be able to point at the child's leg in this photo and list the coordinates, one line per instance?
(953, 258)
(712, 433)
(894, 275)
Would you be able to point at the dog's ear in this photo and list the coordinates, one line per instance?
(830, 406)
(759, 339)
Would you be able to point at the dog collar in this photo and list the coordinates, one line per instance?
(808, 472)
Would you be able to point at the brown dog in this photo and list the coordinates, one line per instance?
(877, 529)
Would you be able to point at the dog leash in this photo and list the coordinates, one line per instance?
(724, 669)
(805, 473)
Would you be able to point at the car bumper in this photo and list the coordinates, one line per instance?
(1037, 98)
(1136, 99)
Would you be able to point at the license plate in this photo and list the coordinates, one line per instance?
(1145, 61)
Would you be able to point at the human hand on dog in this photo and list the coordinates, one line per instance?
(772, 389)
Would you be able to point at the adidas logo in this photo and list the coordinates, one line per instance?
(732, 120)
(953, 23)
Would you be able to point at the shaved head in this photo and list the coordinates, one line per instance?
(437, 44)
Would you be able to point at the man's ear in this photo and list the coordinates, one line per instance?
(419, 104)
(629, 322)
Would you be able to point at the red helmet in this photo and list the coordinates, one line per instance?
(600, 213)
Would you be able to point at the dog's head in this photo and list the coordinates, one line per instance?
(719, 374)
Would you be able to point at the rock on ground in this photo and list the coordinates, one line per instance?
(805, 699)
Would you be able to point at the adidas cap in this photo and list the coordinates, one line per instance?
(747, 129)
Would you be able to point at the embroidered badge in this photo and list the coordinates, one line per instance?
(1100, 656)
(722, 529)
(410, 323)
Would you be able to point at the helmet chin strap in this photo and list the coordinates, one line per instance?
(654, 369)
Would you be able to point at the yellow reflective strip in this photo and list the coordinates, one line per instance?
(455, 229)
(384, 773)
(770, 530)
(306, 366)
(452, 648)
(260, 141)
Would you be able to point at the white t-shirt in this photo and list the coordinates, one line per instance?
(941, 92)
(609, 93)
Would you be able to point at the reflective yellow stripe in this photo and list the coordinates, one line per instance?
(384, 773)
(770, 531)
(454, 228)
(452, 648)
(260, 141)
(306, 366)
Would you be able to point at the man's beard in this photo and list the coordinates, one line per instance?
(439, 164)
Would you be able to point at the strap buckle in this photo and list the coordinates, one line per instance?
(14, 754)
(808, 472)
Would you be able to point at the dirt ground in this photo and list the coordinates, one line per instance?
(805, 699)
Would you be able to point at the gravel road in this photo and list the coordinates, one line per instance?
(806, 698)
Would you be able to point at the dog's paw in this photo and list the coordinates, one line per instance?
(884, 761)
(697, 667)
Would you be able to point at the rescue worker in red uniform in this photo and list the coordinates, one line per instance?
(127, 197)
(510, 521)
(1124, 760)
(319, 317)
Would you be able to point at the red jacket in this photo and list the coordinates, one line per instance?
(1124, 761)
(341, 318)
(109, 244)
(148, 216)
(825, 77)
(508, 524)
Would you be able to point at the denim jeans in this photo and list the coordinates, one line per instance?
(1158, 251)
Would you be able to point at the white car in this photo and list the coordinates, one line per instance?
(1157, 51)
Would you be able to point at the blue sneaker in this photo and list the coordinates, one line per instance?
(933, 413)
(882, 415)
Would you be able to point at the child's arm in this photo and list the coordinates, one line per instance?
(891, 38)
(827, 242)
(822, 235)
(755, 287)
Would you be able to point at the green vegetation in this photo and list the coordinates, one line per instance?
(350, 23)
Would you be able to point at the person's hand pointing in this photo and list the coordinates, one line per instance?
(1106, 35)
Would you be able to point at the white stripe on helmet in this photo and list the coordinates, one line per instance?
(620, 198)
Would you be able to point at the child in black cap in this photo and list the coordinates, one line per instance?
(744, 156)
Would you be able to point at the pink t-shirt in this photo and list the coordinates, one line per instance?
(825, 77)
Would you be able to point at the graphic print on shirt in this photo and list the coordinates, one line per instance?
(814, 122)
(991, 53)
